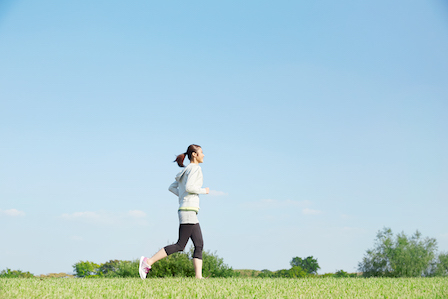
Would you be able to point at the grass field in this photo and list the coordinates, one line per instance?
(224, 288)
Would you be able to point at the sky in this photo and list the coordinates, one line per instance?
(322, 122)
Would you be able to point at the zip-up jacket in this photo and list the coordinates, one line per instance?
(188, 186)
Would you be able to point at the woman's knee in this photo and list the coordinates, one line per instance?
(180, 247)
(170, 249)
(197, 254)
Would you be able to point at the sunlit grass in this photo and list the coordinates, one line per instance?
(224, 288)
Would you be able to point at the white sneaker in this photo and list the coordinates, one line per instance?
(143, 268)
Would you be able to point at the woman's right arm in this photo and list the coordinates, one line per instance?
(173, 188)
(194, 183)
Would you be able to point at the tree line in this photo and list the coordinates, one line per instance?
(391, 256)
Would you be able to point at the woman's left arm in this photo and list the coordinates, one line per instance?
(173, 188)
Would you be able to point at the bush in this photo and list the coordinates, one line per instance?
(175, 265)
(440, 266)
(126, 269)
(109, 268)
(56, 275)
(214, 266)
(398, 257)
(178, 264)
(8, 273)
(294, 272)
(265, 273)
(341, 273)
(299, 268)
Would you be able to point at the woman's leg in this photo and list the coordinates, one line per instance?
(196, 237)
(184, 235)
(197, 263)
(156, 257)
(185, 231)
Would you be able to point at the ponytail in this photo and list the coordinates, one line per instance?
(191, 149)
(180, 160)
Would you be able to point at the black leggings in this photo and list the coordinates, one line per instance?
(187, 231)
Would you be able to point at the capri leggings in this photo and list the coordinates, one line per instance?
(187, 231)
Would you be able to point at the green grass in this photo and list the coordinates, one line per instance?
(224, 288)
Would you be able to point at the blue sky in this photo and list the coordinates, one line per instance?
(321, 123)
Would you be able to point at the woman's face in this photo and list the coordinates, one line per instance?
(199, 156)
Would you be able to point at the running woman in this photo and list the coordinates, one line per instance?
(188, 186)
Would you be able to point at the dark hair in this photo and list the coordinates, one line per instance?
(193, 148)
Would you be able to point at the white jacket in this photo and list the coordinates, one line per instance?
(188, 186)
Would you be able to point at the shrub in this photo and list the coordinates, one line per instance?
(265, 273)
(56, 275)
(178, 264)
(439, 267)
(214, 266)
(398, 257)
(8, 273)
(109, 268)
(174, 265)
(294, 272)
(126, 269)
(341, 273)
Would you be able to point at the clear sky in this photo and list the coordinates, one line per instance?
(321, 122)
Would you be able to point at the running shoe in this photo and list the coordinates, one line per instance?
(143, 268)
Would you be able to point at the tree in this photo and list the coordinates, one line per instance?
(109, 268)
(440, 266)
(341, 273)
(8, 273)
(85, 269)
(401, 256)
(308, 264)
(125, 269)
(265, 273)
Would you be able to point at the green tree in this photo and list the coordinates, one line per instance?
(399, 256)
(442, 264)
(109, 268)
(86, 269)
(265, 273)
(439, 266)
(308, 264)
(125, 269)
(341, 273)
(8, 273)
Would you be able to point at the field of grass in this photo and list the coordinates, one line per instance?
(224, 288)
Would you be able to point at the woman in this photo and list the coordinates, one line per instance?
(188, 186)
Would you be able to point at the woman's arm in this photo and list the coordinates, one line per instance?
(173, 188)
(194, 182)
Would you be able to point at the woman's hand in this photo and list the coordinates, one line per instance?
(207, 190)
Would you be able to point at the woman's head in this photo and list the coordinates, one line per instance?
(194, 153)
